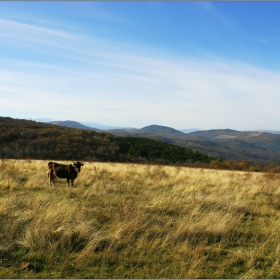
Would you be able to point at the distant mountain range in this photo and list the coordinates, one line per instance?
(222, 143)
(72, 124)
(89, 125)
(98, 126)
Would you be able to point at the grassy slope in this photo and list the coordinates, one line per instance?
(138, 221)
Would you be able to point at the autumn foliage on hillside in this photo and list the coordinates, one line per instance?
(21, 139)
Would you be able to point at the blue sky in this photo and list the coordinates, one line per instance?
(181, 64)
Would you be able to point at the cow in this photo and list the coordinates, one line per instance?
(58, 170)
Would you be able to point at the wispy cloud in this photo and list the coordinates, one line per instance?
(20, 33)
(210, 10)
(106, 81)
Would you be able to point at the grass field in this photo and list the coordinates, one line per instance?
(138, 221)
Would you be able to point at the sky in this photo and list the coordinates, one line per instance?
(206, 65)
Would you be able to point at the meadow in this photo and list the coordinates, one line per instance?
(138, 221)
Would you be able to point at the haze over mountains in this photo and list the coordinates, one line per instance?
(98, 126)
(222, 143)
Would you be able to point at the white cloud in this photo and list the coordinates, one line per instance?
(102, 81)
(21, 31)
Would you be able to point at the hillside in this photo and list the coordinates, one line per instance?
(20, 139)
(255, 145)
(222, 143)
(264, 140)
(226, 144)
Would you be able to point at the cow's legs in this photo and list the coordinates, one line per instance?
(51, 177)
(70, 179)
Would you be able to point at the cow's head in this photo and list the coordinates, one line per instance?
(77, 165)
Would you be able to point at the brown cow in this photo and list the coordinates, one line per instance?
(70, 171)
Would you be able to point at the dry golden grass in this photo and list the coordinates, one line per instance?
(138, 221)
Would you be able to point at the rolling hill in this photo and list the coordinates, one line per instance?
(223, 143)
(226, 144)
(161, 130)
(20, 139)
(72, 124)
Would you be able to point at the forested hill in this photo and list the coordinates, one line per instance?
(20, 139)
